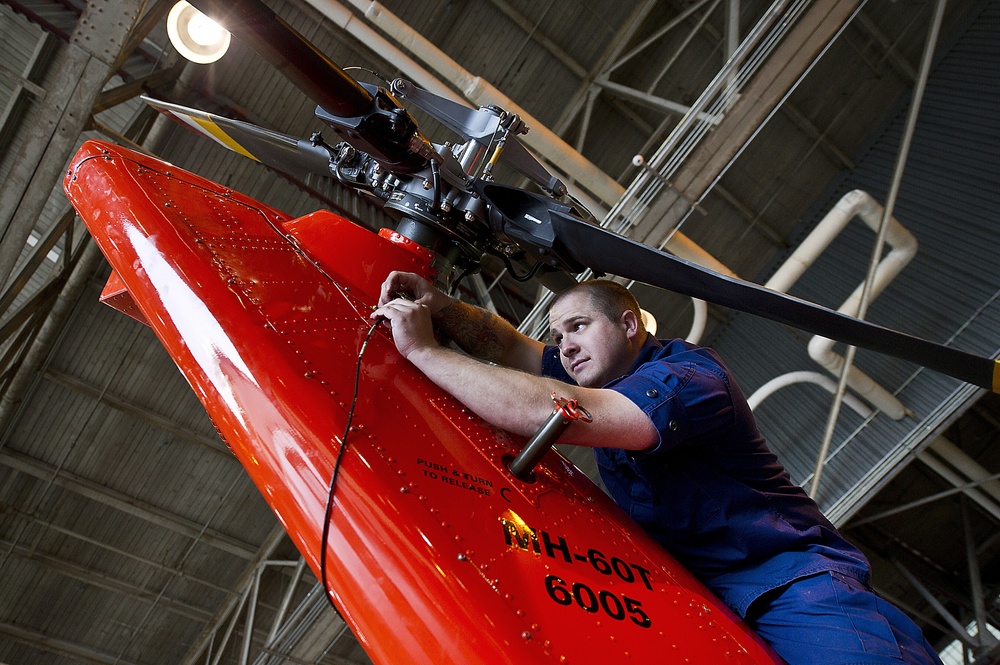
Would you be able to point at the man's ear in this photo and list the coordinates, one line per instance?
(631, 323)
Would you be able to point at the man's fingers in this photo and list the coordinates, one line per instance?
(410, 323)
(411, 287)
(394, 284)
(388, 289)
(395, 307)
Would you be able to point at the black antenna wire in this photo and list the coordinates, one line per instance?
(336, 467)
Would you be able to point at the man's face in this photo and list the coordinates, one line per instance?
(593, 349)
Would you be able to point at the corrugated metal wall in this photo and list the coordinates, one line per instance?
(948, 293)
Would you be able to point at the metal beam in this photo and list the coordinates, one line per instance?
(898, 62)
(923, 618)
(311, 631)
(612, 51)
(586, 77)
(115, 96)
(27, 86)
(962, 462)
(649, 100)
(279, 617)
(653, 38)
(961, 483)
(812, 32)
(41, 339)
(17, 351)
(36, 307)
(732, 27)
(38, 257)
(82, 67)
(60, 647)
(819, 137)
(174, 572)
(986, 639)
(752, 218)
(212, 443)
(204, 640)
(531, 30)
(127, 504)
(154, 16)
(698, 27)
(959, 631)
(77, 572)
(923, 501)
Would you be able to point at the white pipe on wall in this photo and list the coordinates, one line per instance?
(821, 350)
(956, 480)
(699, 322)
(822, 380)
(855, 203)
(964, 464)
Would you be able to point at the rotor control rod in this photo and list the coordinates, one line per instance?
(565, 413)
(277, 42)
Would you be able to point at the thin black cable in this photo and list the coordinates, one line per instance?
(336, 467)
(454, 287)
(370, 71)
(510, 267)
(436, 184)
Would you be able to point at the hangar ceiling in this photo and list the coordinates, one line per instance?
(129, 534)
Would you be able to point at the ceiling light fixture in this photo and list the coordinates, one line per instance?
(195, 36)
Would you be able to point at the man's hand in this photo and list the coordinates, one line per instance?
(422, 291)
(410, 322)
(476, 331)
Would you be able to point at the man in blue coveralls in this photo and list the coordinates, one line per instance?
(679, 451)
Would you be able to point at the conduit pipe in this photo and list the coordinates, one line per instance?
(699, 322)
(968, 467)
(822, 380)
(881, 234)
(855, 203)
(481, 93)
(956, 480)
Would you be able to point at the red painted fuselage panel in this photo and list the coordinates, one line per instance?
(436, 553)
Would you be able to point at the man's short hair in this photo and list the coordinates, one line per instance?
(609, 298)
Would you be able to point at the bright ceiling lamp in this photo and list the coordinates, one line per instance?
(195, 36)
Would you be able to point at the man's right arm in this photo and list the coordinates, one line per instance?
(512, 400)
(476, 331)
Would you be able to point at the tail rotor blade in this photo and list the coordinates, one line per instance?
(608, 252)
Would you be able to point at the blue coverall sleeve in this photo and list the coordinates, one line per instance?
(686, 400)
